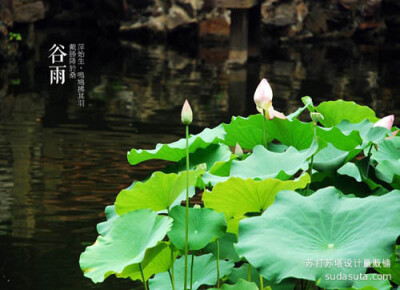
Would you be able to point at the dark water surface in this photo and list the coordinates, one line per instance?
(60, 165)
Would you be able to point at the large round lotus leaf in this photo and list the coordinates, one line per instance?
(125, 244)
(157, 193)
(205, 225)
(264, 164)
(204, 273)
(156, 260)
(297, 231)
(336, 111)
(177, 150)
(329, 158)
(237, 197)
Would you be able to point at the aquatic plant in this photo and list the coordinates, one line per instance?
(298, 204)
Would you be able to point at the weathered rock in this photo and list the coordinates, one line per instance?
(29, 13)
(284, 14)
(217, 27)
(177, 17)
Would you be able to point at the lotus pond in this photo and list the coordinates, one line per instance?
(263, 202)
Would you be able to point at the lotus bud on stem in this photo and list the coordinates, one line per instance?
(263, 100)
(187, 118)
(238, 150)
(186, 114)
(315, 117)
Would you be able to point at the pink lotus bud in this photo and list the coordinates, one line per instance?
(238, 150)
(186, 114)
(386, 122)
(263, 95)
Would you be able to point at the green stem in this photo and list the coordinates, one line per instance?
(191, 271)
(261, 282)
(218, 271)
(141, 272)
(264, 130)
(368, 156)
(312, 160)
(187, 208)
(249, 273)
(172, 268)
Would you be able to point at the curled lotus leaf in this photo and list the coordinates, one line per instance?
(176, 151)
(125, 244)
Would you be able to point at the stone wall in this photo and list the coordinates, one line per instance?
(285, 19)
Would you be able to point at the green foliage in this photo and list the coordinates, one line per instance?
(204, 273)
(205, 226)
(110, 254)
(325, 225)
(160, 192)
(321, 190)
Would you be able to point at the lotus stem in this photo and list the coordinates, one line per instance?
(261, 282)
(141, 272)
(187, 208)
(191, 271)
(264, 130)
(312, 160)
(218, 271)
(249, 273)
(368, 156)
(172, 268)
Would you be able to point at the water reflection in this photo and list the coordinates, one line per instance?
(60, 165)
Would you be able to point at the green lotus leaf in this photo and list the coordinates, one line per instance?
(297, 231)
(205, 226)
(236, 197)
(248, 132)
(209, 155)
(368, 133)
(204, 273)
(177, 150)
(242, 273)
(226, 249)
(394, 269)
(335, 112)
(351, 169)
(125, 244)
(240, 285)
(345, 141)
(389, 171)
(156, 260)
(388, 158)
(329, 158)
(346, 184)
(104, 227)
(367, 282)
(160, 192)
(291, 133)
(264, 164)
(387, 150)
